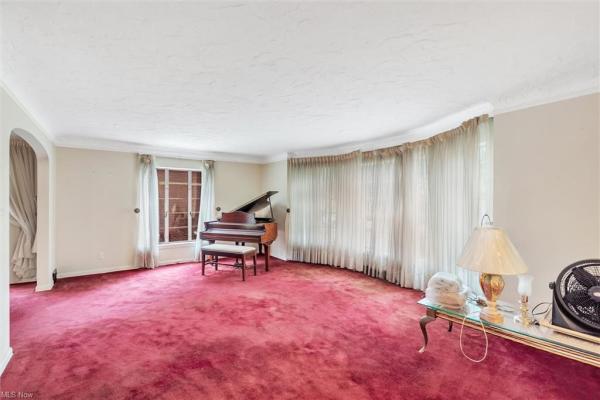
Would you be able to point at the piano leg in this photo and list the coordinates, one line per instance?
(244, 268)
(267, 256)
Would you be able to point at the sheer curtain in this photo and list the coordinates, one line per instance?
(325, 196)
(456, 170)
(382, 191)
(147, 238)
(207, 201)
(23, 208)
(399, 214)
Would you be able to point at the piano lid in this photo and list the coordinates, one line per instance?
(256, 204)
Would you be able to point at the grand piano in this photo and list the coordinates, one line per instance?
(252, 222)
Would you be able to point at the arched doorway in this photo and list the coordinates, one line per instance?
(44, 267)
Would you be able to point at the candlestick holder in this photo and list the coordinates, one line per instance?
(523, 316)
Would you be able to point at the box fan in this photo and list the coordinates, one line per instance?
(576, 298)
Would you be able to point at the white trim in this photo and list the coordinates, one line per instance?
(167, 152)
(158, 166)
(25, 110)
(175, 245)
(190, 220)
(176, 261)
(570, 93)
(5, 359)
(165, 208)
(28, 280)
(422, 132)
(94, 271)
(275, 158)
(43, 288)
(443, 124)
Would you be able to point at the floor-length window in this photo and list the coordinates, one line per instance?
(147, 237)
(23, 207)
(400, 213)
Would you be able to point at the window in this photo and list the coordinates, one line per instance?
(178, 204)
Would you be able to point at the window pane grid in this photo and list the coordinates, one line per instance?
(179, 204)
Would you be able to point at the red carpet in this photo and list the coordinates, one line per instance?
(299, 331)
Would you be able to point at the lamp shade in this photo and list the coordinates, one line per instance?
(490, 250)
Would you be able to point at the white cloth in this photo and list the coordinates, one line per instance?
(148, 227)
(401, 214)
(444, 282)
(448, 299)
(207, 202)
(446, 289)
(23, 207)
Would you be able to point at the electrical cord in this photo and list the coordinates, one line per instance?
(543, 312)
(484, 334)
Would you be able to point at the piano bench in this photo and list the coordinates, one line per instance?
(228, 250)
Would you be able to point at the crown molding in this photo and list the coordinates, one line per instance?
(571, 92)
(441, 125)
(422, 132)
(26, 111)
(275, 158)
(453, 121)
(170, 152)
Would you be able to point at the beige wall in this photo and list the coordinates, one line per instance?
(236, 183)
(96, 225)
(274, 177)
(546, 187)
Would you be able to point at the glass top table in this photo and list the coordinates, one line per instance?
(539, 336)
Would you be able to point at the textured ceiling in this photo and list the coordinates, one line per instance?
(266, 78)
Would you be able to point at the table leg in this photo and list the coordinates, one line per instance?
(423, 322)
(450, 324)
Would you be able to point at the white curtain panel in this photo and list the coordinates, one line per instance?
(147, 238)
(400, 214)
(325, 194)
(23, 207)
(207, 201)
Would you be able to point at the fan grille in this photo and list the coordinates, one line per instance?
(575, 289)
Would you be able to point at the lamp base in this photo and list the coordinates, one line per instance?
(492, 286)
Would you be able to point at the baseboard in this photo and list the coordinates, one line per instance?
(177, 261)
(43, 288)
(277, 254)
(94, 271)
(31, 280)
(104, 270)
(5, 359)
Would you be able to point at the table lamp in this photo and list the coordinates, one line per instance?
(490, 252)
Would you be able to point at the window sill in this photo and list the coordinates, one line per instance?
(177, 244)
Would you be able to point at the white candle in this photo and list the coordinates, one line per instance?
(525, 283)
